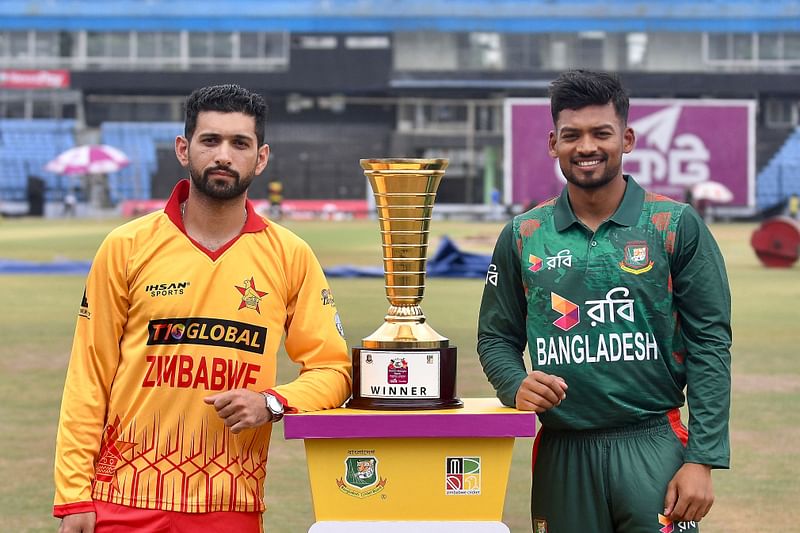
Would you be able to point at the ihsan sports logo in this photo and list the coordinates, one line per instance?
(166, 289)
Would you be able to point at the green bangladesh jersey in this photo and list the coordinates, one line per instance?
(629, 316)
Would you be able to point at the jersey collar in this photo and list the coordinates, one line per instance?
(181, 192)
(627, 214)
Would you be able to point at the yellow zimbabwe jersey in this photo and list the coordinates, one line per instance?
(165, 323)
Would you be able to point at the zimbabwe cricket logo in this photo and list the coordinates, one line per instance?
(251, 296)
(361, 479)
(637, 258)
(110, 457)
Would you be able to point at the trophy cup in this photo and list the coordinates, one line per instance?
(404, 364)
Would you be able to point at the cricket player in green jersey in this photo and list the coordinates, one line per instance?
(622, 299)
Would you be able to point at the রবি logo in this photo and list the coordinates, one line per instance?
(561, 259)
(462, 476)
(675, 527)
(570, 312)
(361, 479)
(491, 275)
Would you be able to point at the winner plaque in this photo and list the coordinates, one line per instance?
(404, 364)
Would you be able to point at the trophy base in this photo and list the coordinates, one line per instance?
(404, 379)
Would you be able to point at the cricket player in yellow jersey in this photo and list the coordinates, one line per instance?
(170, 395)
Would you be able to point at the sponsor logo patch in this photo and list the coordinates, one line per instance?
(536, 263)
(84, 309)
(361, 478)
(462, 476)
(675, 527)
(166, 289)
(398, 371)
(491, 275)
(570, 313)
(251, 296)
(339, 326)
(207, 332)
(637, 258)
(561, 259)
(327, 297)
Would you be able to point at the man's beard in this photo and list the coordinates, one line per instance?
(592, 182)
(219, 189)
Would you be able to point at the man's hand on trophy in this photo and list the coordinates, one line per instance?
(540, 392)
(240, 409)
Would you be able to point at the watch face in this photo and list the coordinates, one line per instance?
(274, 404)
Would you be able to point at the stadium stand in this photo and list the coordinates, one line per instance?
(348, 79)
(26, 146)
(780, 178)
(139, 141)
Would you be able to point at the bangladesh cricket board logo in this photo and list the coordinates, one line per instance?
(637, 258)
(361, 479)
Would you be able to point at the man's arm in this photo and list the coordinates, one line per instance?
(703, 301)
(501, 322)
(702, 296)
(93, 364)
(314, 339)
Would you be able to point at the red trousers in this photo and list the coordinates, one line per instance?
(112, 518)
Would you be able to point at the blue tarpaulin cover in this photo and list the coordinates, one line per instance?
(448, 261)
(15, 266)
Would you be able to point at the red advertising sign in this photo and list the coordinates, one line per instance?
(34, 79)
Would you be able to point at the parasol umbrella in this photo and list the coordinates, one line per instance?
(713, 191)
(88, 159)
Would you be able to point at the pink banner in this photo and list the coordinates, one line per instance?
(34, 79)
(679, 143)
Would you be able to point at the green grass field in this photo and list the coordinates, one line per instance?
(759, 494)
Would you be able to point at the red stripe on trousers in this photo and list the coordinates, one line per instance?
(535, 450)
(680, 430)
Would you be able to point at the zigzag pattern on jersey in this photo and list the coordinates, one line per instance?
(165, 465)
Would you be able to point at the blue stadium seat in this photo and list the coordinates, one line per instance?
(139, 140)
(780, 178)
(26, 146)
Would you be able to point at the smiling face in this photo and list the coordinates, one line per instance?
(589, 143)
(223, 155)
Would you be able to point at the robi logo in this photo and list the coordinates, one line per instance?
(570, 313)
(675, 527)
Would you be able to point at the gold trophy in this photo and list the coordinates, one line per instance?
(404, 364)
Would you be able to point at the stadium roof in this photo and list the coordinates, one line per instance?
(377, 16)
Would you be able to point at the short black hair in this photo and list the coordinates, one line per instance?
(228, 98)
(576, 89)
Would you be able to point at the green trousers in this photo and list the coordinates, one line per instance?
(607, 481)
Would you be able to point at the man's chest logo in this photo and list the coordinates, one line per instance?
(251, 296)
(636, 258)
(562, 259)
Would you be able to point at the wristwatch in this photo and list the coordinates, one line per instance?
(274, 406)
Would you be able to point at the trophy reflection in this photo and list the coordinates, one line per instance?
(404, 364)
